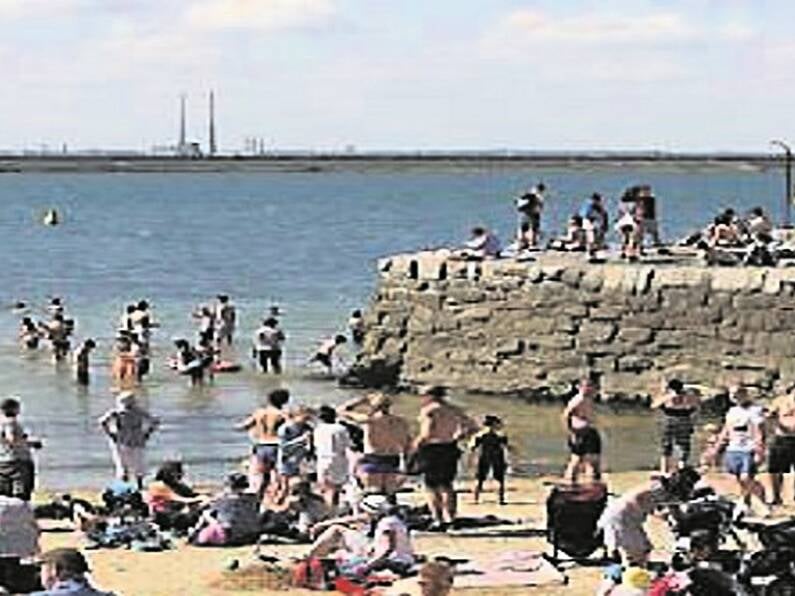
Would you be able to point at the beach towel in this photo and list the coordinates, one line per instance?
(516, 568)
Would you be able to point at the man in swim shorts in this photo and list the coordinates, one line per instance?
(325, 352)
(781, 453)
(442, 425)
(263, 427)
(585, 444)
(387, 438)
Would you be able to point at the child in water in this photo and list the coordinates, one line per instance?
(491, 444)
(325, 352)
(81, 360)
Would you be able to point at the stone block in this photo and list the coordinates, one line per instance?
(505, 348)
(592, 280)
(634, 335)
(596, 332)
(552, 342)
(474, 315)
(678, 277)
(633, 364)
(683, 299)
(758, 301)
(571, 276)
(606, 313)
(777, 279)
(737, 279)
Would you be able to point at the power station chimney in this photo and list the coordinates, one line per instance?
(212, 148)
(182, 139)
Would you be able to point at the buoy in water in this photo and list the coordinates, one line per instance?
(51, 218)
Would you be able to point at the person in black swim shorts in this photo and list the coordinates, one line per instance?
(585, 444)
(442, 425)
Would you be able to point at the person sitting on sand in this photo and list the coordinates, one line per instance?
(262, 426)
(129, 427)
(29, 335)
(268, 341)
(347, 540)
(173, 503)
(436, 455)
(387, 438)
(490, 444)
(63, 573)
(622, 520)
(325, 352)
(482, 244)
(585, 444)
(230, 519)
(81, 362)
(294, 514)
(17, 470)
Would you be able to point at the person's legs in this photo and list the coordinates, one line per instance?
(330, 540)
(574, 468)
(435, 504)
(276, 361)
(449, 503)
(593, 462)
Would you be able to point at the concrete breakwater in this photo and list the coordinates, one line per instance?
(507, 327)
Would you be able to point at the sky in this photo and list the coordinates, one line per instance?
(675, 75)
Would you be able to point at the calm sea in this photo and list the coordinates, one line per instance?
(307, 242)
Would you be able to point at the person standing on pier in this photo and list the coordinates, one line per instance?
(585, 444)
(529, 206)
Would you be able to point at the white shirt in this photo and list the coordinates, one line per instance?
(331, 441)
(402, 551)
(740, 422)
(269, 338)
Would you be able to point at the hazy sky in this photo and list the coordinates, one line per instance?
(399, 74)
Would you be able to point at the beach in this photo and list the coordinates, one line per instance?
(192, 570)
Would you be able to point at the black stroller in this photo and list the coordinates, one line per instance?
(572, 514)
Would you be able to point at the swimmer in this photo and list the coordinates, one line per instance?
(225, 320)
(325, 352)
(356, 327)
(124, 369)
(81, 361)
(29, 334)
(58, 331)
(268, 342)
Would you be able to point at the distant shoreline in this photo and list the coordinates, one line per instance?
(319, 163)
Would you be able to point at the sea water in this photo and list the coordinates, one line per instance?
(307, 242)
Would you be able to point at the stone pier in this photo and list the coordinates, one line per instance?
(531, 328)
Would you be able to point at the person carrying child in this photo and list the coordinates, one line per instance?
(491, 444)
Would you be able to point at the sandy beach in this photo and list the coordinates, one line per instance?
(191, 570)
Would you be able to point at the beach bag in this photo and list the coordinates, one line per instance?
(309, 574)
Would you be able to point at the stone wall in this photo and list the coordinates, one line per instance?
(532, 328)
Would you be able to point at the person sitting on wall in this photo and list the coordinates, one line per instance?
(575, 239)
(482, 245)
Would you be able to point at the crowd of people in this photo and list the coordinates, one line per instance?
(730, 239)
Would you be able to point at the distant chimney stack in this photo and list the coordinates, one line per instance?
(212, 144)
(182, 133)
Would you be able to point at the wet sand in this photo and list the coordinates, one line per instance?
(190, 570)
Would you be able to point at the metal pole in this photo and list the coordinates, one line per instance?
(788, 195)
(787, 180)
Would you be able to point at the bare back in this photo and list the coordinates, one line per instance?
(442, 423)
(265, 425)
(386, 434)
